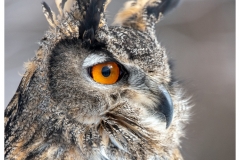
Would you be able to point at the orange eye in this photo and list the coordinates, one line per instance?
(105, 73)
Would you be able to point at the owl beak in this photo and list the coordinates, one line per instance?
(166, 106)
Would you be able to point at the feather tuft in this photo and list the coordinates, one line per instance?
(49, 14)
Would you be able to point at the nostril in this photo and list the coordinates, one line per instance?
(114, 97)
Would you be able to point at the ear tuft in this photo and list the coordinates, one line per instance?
(77, 19)
(132, 15)
(49, 14)
(91, 21)
(158, 8)
(143, 14)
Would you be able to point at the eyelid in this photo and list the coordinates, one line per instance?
(94, 59)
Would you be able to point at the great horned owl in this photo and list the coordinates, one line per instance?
(95, 91)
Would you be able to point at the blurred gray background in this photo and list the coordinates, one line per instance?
(200, 39)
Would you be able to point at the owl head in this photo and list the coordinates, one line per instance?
(95, 91)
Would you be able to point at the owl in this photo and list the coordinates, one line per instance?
(98, 92)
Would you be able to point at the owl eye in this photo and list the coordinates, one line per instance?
(105, 73)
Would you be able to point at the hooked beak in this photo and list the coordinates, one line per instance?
(166, 106)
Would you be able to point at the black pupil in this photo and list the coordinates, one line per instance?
(106, 71)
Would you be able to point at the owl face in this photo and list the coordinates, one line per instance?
(81, 86)
(74, 81)
(95, 91)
